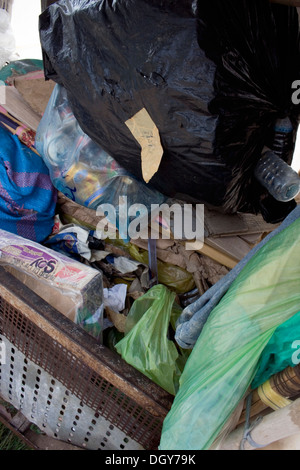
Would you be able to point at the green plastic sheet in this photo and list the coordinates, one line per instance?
(146, 345)
(282, 351)
(224, 360)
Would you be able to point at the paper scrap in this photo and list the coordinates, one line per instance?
(146, 133)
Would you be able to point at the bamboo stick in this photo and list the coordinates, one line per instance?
(289, 443)
(275, 426)
(288, 380)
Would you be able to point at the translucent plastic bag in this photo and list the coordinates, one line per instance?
(80, 168)
(7, 39)
(146, 345)
(225, 358)
(194, 316)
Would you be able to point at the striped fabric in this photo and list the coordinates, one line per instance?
(25, 134)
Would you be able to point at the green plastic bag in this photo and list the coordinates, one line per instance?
(146, 345)
(224, 360)
(281, 352)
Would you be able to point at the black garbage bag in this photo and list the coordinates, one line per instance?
(255, 46)
(116, 57)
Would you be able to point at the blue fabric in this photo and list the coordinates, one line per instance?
(65, 243)
(27, 196)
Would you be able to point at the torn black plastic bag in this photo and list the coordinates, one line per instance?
(255, 46)
(118, 57)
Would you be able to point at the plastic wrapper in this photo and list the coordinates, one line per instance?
(225, 358)
(196, 70)
(80, 168)
(74, 241)
(146, 345)
(72, 288)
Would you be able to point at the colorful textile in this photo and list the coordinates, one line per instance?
(20, 67)
(13, 125)
(27, 196)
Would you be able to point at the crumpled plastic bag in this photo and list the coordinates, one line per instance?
(82, 170)
(214, 77)
(225, 358)
(7, 39)
(146, 345)
(139, 55)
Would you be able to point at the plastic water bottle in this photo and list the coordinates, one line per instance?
(281, 181)
(283, 137)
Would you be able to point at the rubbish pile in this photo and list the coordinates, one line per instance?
(146, 103)
(200, 74)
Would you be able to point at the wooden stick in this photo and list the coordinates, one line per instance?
(216, 255)
(288, 378)
(289, 443)
(273, 427)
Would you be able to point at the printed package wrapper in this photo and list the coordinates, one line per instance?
(71, 287)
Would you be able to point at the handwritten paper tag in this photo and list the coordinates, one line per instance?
(146, 133)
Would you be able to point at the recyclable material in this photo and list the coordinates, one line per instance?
(74, 289)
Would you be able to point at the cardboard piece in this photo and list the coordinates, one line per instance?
(218, 224)
(234, 247)
(71, 287)
(71, 212)
(118, 319)
(146, 133)
(19, 108)
(202, 268)
(35, 91)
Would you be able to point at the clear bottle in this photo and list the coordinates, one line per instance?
(281, 181)
(283, 137)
